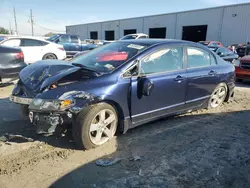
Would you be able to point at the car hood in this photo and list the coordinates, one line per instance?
(42, 74)
(245, 58)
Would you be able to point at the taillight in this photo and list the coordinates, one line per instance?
(61, 49)
(19, 55)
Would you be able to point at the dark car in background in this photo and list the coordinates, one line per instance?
(243, 50)
(122, 85)
(225, 53)
(211, 43)
(11, 63)
(71, 43)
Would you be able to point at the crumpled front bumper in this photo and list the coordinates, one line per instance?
(49, 122)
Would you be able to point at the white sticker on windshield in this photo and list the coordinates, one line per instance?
(135, 46)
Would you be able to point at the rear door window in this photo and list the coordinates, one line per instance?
(74, 39)
(197, 57)
(31, 42)
(64, 39)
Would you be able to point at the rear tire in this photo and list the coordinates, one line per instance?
(218, 96)
(49, 56)
(95, 125)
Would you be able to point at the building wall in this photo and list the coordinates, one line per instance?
(211, 18)
(236, 25)
(110, 26)
(167, 21)
(229, 24)
(136, 23)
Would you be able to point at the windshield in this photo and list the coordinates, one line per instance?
(54, 37)
(107, 58)
(127, 37)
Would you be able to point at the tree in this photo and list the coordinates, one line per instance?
(4, 31)
(49, 34)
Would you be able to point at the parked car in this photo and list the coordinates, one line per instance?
(71, 43)
(225, 53)
(243, 50)
(36, 49)
(11, 63)
(211, 43)
(123, 85)
(130, 36)
(242, 68)
(135, 36)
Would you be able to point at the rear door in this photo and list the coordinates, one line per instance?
(32, 49)
(202, 75)
(164, 68)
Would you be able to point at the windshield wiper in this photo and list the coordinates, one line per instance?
(86, 68)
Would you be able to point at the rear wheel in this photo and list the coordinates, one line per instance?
(218, 96)
(95, 126)
(49, 56)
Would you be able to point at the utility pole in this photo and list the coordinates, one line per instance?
(15, 20)
(32, 22)
(10, 28)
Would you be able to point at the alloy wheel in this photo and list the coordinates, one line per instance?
(218, 97)
(103, 127)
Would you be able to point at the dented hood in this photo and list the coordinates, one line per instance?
(41, 74)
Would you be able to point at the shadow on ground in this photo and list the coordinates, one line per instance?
(196, 150)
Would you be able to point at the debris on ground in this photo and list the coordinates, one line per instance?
(107, 162)
(15, 138)
(135, 158)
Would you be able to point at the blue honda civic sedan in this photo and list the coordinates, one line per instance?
(122, 85)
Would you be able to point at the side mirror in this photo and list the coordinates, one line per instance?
(145, 87)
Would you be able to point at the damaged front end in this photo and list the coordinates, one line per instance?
(47, 98)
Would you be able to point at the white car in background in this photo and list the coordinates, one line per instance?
(135, 36)
(35, 49)
(130, 36)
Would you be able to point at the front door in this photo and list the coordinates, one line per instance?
(164, 68)
(202, 73)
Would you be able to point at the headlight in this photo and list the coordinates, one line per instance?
(53, 105)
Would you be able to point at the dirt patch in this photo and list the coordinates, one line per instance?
(27, 155)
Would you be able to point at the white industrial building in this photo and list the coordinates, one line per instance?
(228, 24)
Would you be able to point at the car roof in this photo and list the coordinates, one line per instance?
(23, 37)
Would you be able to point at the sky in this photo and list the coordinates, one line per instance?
(54, 15)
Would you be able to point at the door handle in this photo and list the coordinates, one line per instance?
(212, 73)
(179, 79)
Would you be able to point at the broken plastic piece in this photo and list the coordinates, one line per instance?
(107, 162)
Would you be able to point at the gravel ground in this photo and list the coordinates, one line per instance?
(207, 148)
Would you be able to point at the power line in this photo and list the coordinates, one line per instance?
(47, 28)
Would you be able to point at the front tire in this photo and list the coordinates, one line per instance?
(95, 125)
(218, 96)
